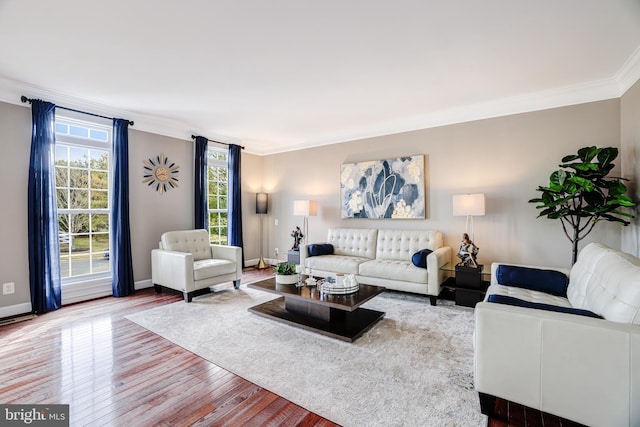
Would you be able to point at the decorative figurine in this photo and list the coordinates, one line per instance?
(468, 252)
(297, 237)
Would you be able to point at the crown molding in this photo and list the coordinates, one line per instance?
(629, 73)
(12, 90)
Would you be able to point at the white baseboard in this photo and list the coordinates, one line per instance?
(15, 310)
(143, 284)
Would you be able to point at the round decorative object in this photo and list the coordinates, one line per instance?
(287, 279)
(160, 173)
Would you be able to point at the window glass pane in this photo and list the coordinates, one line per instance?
(61, 154)
(100, 222)
(100, 243)
(78, 156)
(99, 135)
(63, 228)
(62, 177)
(100, 262)
(81, 243)
(62, 195)
(99, 199)
(62, 128)
(79, 131)
(99, 180)
(80, 264)
(78, 199)
(78, 178)
(99, 159)
(64, 266)
(79, 223)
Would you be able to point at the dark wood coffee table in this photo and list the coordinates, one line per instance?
(337, 316)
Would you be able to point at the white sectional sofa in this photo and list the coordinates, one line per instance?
(565, 362)
(383, 258)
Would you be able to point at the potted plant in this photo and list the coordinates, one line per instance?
(286, 273)
(580, 194)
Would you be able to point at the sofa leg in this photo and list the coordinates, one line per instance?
(434, 300)
(487, 404)
(188, 296)
(158, 288)
(236, 284)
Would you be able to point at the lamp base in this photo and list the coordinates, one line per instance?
(261, 264)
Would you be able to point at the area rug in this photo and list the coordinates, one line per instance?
(413, 368)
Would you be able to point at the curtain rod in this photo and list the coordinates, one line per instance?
(217, 142)
(25, 99)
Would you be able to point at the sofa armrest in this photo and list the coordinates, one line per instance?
(580, 368)
(172, 269)
(435, 276)
(232, 253)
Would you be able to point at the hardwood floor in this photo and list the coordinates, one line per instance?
(112, 371)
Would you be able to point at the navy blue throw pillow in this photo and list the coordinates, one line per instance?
(547, 281)
(503, 299)
(317, 249)
(419, 259)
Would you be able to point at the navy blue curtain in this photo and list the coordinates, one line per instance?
(44, 246)
(235, 198)
(201, 203)
(120, 234)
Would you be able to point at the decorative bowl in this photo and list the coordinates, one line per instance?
(287, 279)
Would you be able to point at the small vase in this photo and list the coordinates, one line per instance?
(287, 279)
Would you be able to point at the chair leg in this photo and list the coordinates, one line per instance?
(158, 288)
(236, 284)
(434, 300)
(487, 404)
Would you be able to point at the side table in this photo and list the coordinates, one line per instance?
(469, 285)
(293, 257)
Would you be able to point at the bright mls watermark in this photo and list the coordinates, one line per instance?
(34, 415)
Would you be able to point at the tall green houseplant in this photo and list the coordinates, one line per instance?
(580, 194)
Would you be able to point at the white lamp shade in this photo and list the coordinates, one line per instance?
(468, 205)
(305, 207)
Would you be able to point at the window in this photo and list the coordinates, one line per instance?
(218, 168)
(82, 158)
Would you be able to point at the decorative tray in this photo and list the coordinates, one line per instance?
(332, 288)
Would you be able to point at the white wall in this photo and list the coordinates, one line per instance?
(630, 154)
(506, 158)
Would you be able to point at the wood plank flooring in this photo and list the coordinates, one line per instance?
(113, 372)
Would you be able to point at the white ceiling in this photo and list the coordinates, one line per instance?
(287, 74)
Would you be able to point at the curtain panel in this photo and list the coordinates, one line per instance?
(201, 202)
(120, 235)
(44, 246)
(235, 198)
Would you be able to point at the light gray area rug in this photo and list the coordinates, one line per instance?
(413, 368)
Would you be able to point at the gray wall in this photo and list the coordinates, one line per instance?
(506, 158)
(630, 142)
(151, 213)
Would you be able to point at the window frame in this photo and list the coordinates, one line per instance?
(89, 143)
(222, 164)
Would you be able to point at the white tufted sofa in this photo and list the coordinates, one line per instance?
(383, 258)
(581, 368)
(187, 262)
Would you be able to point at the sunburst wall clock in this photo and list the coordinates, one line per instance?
(160, 173)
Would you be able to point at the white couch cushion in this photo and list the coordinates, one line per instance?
(195, 242)
(606, 282)
(338, 263)
(207, 268)
(402, 244)
(357, 242)
(394, 270)
(527, 295)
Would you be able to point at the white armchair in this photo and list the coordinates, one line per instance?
(187, 262)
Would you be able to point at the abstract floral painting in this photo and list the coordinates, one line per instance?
(391, 188)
